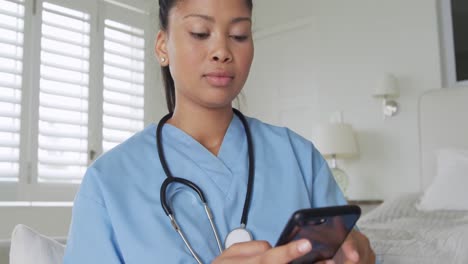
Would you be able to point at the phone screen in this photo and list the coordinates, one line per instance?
(326, 230)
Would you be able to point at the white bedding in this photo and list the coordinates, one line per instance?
(400, 233)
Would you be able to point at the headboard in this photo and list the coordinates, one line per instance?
(443, 123)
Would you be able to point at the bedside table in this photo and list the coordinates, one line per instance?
(366, 205)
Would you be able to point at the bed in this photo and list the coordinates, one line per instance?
(430, 226)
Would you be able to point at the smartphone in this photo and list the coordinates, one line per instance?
(326, 228)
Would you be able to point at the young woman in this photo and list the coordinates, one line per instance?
(144, 201)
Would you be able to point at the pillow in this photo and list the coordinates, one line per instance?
(448, 190)
(28, 246)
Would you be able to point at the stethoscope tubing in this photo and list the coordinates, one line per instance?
(171, 179)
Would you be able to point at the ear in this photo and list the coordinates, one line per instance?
(160, 48)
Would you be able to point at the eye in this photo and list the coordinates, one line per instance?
(199, 35)
(239, 38)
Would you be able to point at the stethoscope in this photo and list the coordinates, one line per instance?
(240, 234)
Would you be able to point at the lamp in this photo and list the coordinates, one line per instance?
(336, 141)
(388, 90)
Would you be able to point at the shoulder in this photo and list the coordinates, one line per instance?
(279, 134)
(286, 141)
(120, 164)
(131, 148)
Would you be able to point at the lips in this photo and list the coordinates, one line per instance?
(219, 79)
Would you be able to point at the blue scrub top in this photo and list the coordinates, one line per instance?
(117, 214)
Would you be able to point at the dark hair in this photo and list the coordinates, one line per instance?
(165, 7)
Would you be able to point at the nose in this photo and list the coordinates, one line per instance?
(221, 52)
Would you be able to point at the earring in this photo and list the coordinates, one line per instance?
(163, 59)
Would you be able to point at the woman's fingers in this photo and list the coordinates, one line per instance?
(287, 253)
(245, 249)
(350, 250)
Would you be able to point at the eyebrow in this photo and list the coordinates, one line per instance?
(211, 19)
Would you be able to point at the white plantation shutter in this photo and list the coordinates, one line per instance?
(72, 83)
(11, 66)
(63, 94)
(123, 82)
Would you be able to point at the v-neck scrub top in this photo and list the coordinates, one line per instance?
(117, 213)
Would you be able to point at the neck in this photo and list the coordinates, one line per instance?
(207, 126)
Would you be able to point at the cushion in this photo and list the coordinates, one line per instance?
(28, 246)
(448, 190)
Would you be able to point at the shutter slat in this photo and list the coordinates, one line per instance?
(60, 175)
(65, 67)
(64, 40)
(61, 106)
(124, 66)
(123, 102)
(10, 158)
(125, 43)
(132, 92)
(61, 26)
(120, 127)
(9, 128)
(9, 143)
(10, 56)
(122, 78)
(71, 94)
(10, 114)
(63, 134)
(63, 120)
(19, 2)
(10, 85)
(62, 53)
(8, 175)
(125, 31)
(10, 99)
(46, 9)
(123, 54)
(11, 14)
(11, 42)
(64, 161)
(4, 68)
(12, 28)
(64, 80)
(114, 139)
(121, 114)
(56, 147)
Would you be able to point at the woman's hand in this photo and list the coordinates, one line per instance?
(355, 249)
(262, 252)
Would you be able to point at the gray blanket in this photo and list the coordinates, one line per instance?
(400, 233)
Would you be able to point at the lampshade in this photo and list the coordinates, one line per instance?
(336, 139)
(388, 87)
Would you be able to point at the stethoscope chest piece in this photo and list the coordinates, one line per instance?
(237, 235)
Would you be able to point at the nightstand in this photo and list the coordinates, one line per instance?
(366, 205)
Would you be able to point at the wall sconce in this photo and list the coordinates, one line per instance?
(388, 91)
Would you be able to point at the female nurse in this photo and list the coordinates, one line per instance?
(252, 175)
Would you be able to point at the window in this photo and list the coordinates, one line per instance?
(72, 85)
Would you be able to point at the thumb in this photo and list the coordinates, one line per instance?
(349, 249)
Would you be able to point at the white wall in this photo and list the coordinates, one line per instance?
(331, 60)
(330, 63)
(51, 221)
